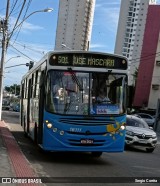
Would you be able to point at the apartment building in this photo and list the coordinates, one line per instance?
(130, 32)
(74, 25)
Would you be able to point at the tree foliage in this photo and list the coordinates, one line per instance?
(13, 89)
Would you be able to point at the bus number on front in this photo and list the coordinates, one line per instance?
(75, 129)
(63, 60)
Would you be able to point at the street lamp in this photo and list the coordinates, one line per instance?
(12, 58)
(5, 40)
(44, 10)
(64, 45)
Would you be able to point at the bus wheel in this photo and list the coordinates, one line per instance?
(96, 154)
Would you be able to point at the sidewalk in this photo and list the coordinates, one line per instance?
(13, 162)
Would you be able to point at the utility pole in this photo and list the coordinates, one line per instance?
(5, 39)
(4, 51)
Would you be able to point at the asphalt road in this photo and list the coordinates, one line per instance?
(131, 163)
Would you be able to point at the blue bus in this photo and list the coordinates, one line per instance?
(60, 108)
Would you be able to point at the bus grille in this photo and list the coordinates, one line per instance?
(100, 138)
(86, 122)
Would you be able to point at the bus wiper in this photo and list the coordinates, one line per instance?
(75, 79)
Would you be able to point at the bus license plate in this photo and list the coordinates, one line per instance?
(86, 141)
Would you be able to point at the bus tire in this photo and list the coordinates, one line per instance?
(96, 154)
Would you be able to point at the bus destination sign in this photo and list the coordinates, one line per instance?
(88, 60)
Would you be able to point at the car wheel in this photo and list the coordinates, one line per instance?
(150, 149)
(96, 154)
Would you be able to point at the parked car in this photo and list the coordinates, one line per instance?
(16, 107)
(139, 134)
(150, 120)
(5, 104)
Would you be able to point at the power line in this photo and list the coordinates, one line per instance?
(28, 5)
(16, 21)
(22, 53)
(38, 43)
(147, 56)
(16, 9)
(13, 6)
(30, 48)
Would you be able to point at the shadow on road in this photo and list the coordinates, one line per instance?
(31, 150)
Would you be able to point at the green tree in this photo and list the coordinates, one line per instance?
(13, 89)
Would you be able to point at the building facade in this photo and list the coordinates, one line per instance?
(74, 26)
(130, 32)
(148, 82)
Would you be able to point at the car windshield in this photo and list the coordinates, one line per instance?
(136, 122)
(85, 93)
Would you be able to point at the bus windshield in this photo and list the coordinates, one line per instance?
(85, 93)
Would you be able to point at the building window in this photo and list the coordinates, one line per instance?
(155, 86)
(128, 24)
(130, 13)
(125, 44)
(130, 8)
(131, 3)
(158, 63)
(128, 30)
(126, 39)
(124, 50)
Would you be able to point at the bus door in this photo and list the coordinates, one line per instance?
(41, 108)
(21, 107)
(28, 106)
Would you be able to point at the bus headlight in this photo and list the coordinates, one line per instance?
(49, 125)
(122, 127)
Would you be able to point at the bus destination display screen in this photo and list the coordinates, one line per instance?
(88, 60)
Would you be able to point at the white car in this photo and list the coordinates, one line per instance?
(147, 117)
(139, 134)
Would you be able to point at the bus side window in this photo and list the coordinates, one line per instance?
(49, 97)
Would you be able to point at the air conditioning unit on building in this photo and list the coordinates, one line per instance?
(155, 86)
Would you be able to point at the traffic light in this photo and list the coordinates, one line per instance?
(30, 64)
